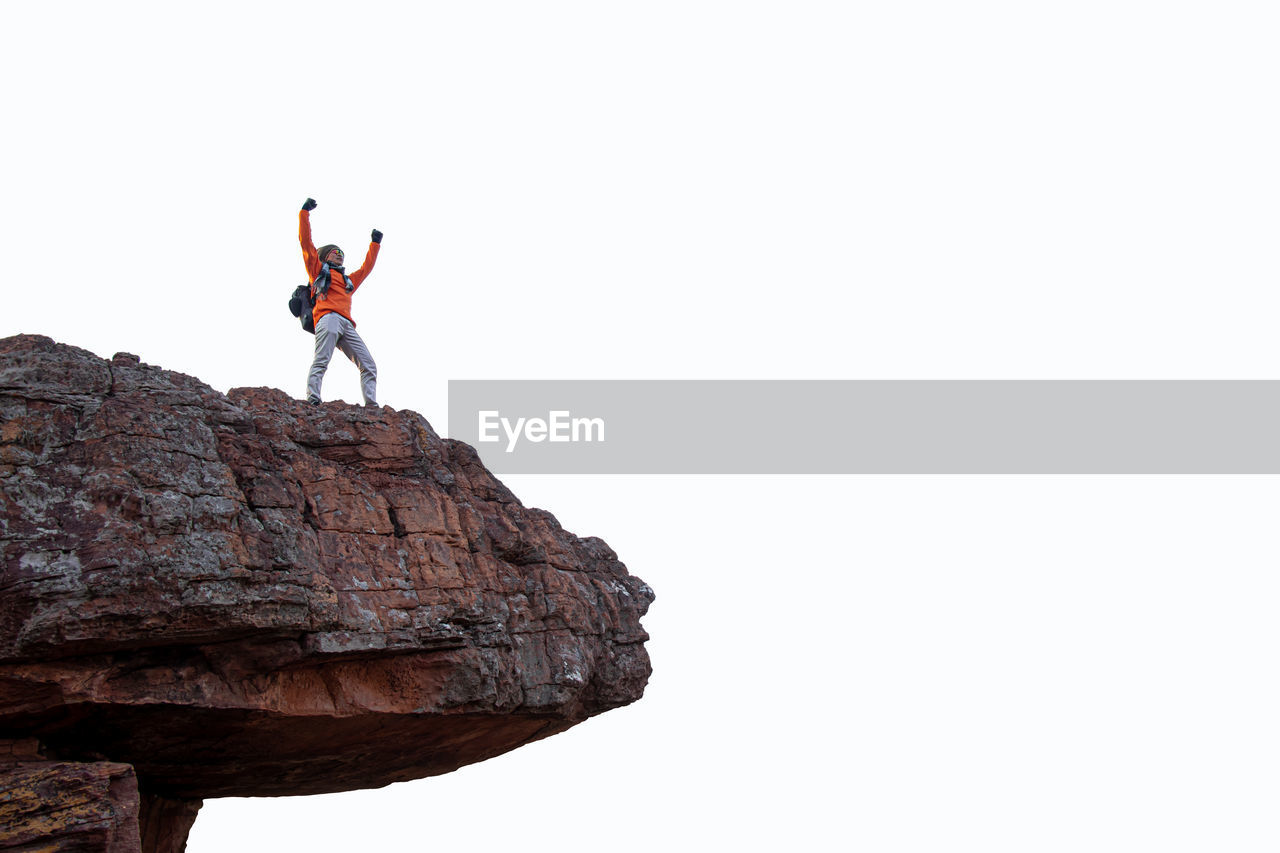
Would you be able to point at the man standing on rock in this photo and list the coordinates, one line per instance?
(332, 288)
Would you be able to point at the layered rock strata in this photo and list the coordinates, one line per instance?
(243, 595)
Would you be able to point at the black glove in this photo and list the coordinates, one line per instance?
(376, 236)
(309, 204)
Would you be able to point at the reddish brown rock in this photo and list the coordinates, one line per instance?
(62, 807)
(242, 595)
(164, 824)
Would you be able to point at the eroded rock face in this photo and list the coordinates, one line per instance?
(60, 806)
(244, 595)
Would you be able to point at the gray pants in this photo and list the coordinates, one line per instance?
(336, 330)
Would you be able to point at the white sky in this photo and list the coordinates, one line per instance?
(739, 190)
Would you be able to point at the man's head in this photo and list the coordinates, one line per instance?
(331, 255)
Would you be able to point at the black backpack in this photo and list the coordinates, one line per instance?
(300, 305)
(302, 296)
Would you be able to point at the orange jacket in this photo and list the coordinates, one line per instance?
(336, 300)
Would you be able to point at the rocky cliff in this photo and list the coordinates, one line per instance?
(206, 595)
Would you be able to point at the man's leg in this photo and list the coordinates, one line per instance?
(353, 345)
(327, 332)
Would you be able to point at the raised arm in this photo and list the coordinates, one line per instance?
(309, 256)
(375, 242)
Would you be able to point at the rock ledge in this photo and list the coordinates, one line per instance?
(208, 595)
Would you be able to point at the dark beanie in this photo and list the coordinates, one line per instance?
(324, 251)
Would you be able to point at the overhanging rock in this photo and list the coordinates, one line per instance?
(243, 595)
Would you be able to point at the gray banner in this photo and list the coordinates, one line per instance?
(869, 426)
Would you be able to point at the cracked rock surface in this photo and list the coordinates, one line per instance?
(243, 595)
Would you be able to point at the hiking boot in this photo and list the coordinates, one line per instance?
(315, 401)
